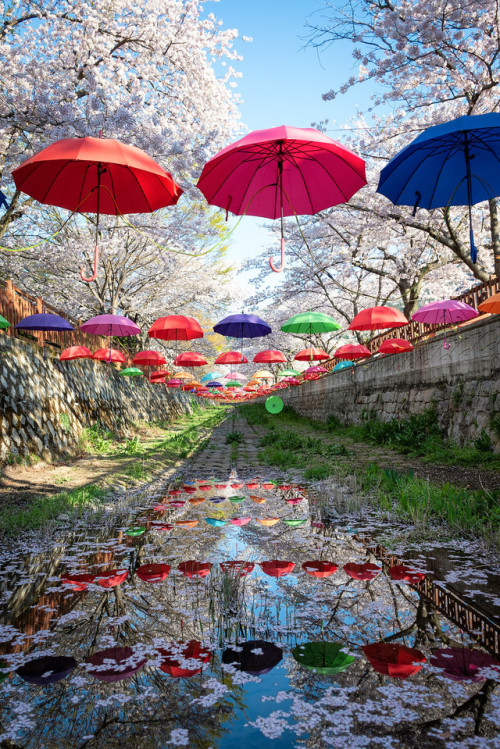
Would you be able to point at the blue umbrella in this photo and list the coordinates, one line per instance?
(210, 376)
(242, 326)
(43, 321)
(456, 163)
(343, 365)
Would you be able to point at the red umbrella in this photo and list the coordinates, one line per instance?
(378, 318)
(174, 383)
(312, 354)
(153, 573)
(276, 567)
(175, 328)
(352, 351)
(190, 359)
(160, 374)
(397, 661)
(114, 664)
(192, 568)
(231, 357)
(406, 574)
(78, 581)
(367, 571)
(319, 568)
(184, 658)
(109, 355)
(283, 171)
(237, 566)
(395, 346)
(149, 359)
(96, 175)
(75, 352)
(463, 664)
(111, 578)
(270, 356)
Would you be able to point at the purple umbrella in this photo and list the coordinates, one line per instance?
(447, 312)
(242, 326)
(44, 321)
(463, 664)
(47, 670)
(255, 656)
(110, 325)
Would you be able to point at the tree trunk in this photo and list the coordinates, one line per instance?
(495, 235)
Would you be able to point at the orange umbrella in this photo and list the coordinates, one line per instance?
(352, 351)
(492, 305)
(378, 318)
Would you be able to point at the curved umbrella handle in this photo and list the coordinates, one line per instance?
(96, 266)
(446, 345)
(273, 267)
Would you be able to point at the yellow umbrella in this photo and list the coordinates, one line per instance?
(263, 374)
(183, 376)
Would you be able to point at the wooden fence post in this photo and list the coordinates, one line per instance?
(39, 310)
(9, 294)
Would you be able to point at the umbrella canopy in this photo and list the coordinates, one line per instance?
(210, 376)
(184, 659)
(175, 328)
(406, 574)
(114, 664)
(312, 354)
(131, 372)
(270, 356)
(190, 359)
(378, 318)
(343, 365)
(149, 359)
(76, 352)
(282, 171)
(319, 568)
(491, 305)
(448, 311)
(231, 357)
(192, 568)
(175, 383)
(395, 346)
(237, 567)
(184, 376)
(463, 664)
(317, 369)
(47, 669)
(455, 163)
(352, 351)
(96, 175)
(214, 384)
(43, 321)
(322, 657)
(153, 573)
(110, 325)
(288, 373)
(366, 571)
(256, 657)
(242, 326)
(109, 355)
(307, 323)
(263, 374)
(397, 661)
(235, 376)
(277, 567)
(160, 374)
(4, 323)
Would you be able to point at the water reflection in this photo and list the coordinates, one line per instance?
(205, 635)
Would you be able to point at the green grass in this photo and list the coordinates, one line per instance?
(234, 438)
(43, 509)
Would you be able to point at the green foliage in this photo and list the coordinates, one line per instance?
(133, 446)
(483, 442)
(495, 424)
(65, 422)
(333, 423)
(97, 439)
(234, 438)
(407, 435)
(317, 472)
(337, 449)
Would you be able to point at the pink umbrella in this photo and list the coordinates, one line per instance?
(235, 376)
(445, 313)
(110, 325)
(317, 369)
(283, 171)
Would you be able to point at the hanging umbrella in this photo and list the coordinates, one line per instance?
(184, 659)
(160, 374)
(48, 669)
(378, 318)
(403, 573)
(242, 326)
(455, 163)
(76, 352)
(44, 322)
(109, 355)
(263, 374)
(240, 521)
(322, 657)
(395, 346)
(192, 568)
(231, 357)
(175, 383)
(175, 328)
(238, 567)
(233, 384)
(366, 571)
(149, 359)
(442, 313)
(397, 661)
(317, 369)
(235, 376)
(352, 351)
(4, 324)
(319, 568)
(270, 356)
(96, 175)
(276, 567)
(307, 323)
(491, 305)
(110, 325)
(214, 384)
(343, 365)
(211, 376)
(153, 573)
(463, 664)
(190, 359)
(111, 578)
(282, 171)
(78, 581)
(114, 664)
(183, 376)
(312, 354)
(288, 373)
(131, 372)
(256, 657)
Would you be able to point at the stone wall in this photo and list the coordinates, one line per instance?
(462, 382)
(45, 404)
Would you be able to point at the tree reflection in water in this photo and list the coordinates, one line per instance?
(170, 621)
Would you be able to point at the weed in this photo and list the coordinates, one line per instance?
(317, 473)
(234, 438)
(65, 422)
(483, 442)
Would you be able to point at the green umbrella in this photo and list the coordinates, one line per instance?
(233, 384)
(294, 522)
(274, 405)
(236, 500)
(307, 323)
(136, 530)
(322, 657)
(4, 323)
(131, 372)
(288, 373)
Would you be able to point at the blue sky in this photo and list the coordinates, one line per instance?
(283, 81)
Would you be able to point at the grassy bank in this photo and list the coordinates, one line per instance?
(118, 462)
(321, 450)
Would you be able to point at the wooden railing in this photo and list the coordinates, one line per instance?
(16, 304)
(416, 332)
